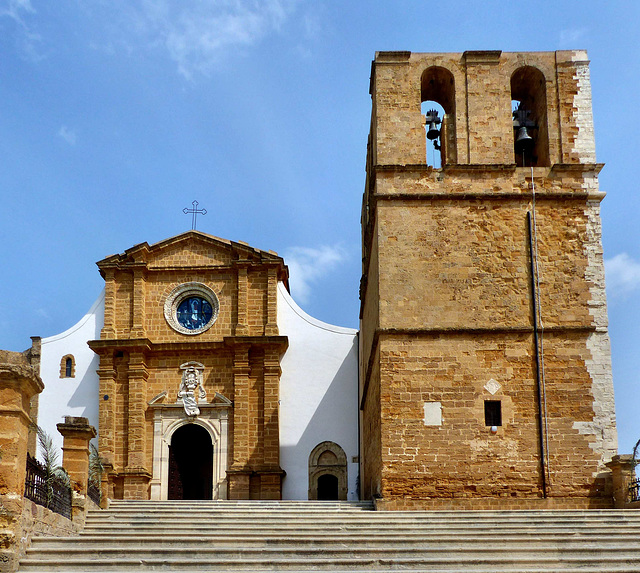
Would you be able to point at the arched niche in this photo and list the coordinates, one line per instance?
(328, 472)
(437, 85)
(529, 92)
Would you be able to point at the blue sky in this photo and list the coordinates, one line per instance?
(117, 114)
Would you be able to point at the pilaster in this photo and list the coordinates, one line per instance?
(107, 407)
(139, 295)
(271, 327)
(242, 326)
(241, 411)
(137, 402)
(108, 329)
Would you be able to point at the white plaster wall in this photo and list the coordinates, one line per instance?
(77, 396)
(318, 394)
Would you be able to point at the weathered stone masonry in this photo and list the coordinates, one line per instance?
(446, 296)
(141, 355)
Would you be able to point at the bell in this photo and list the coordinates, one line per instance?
(524, 142)
(433, 132)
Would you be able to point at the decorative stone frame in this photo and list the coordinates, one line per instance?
(167, 418)
(63, 366)
(186, 290)
(319, 467)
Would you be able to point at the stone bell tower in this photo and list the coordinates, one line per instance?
(485, 364)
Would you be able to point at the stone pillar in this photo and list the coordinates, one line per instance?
(137, 474)
(271, 479)
(34, 359)
(622, 475)
(109, 329)
(107, 407)
(139, 292)
(106, 485)
(242, 327)
(271, 327)
(18, 384)
(77, 433)
(239, 473)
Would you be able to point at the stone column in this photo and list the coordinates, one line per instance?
(77, 434)
(18, 384)
(34, 359)
(622, 475)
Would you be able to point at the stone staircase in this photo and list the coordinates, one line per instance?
(339, 536)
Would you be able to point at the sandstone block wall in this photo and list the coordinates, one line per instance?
(449, 291)
(141, 354)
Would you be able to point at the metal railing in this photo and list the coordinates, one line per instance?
(47, 491)
(93, 491)
(634, 490)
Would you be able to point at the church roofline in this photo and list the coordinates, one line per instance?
(138, 253)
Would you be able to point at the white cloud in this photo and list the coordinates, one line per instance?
(195, 33)
(571, 36)
(622, 274)
(307, 266)
(26, 39)
(15, 8)
(68, 135)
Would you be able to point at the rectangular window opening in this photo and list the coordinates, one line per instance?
(492, 413)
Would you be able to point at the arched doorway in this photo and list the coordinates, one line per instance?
(327, 472)
(327, 487)
(190, 463)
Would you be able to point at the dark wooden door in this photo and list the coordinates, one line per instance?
(328, 487)
(190, 463)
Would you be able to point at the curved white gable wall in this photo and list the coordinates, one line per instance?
(318, 394)
(77, 396)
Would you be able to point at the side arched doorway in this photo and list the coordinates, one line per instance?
(190, 463)
(328, 472)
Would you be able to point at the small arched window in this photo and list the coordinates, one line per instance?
(68, 366)
(529, 109)
(437, 94)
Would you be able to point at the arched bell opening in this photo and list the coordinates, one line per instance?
(437, 94)
(190, 463)
(529, 112)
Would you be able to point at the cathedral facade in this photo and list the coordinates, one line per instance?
(481, 374)
(206, 380)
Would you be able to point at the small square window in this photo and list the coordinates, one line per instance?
(492, 413)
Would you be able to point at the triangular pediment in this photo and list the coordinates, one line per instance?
(190, 249)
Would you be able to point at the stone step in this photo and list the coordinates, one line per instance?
(364, 514)
(449, 563)
(373, 517)
(624, 545)
(214, 524)
(283, 536)
(251, 505)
